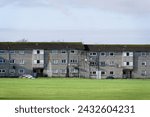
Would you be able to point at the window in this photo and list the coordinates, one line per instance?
(22, 61)
(2, 71)
(12, 61)
(93, 73)
(127, 53)
(103, 54)
(103, 73)
(38, 61)
(112, 63)
(92, 63)
(38, 51)
(144, 63)
(93, 54)
(63, 51)
(102, 63)
(143, 73)
(74, 70)
(111, 54)
(143, 53)
(54, 51)
(11, 71)
(73, 61)
(111, 72)
(55, 70)
(72, 51)
(21, 52)
(12, 52)
(62, 70)
(128, 63)
(2, 61)
(21, 71)
(55, 61)
(63, 61)
(2, 51)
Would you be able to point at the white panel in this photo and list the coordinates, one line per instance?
(41, 61)
(124, 63)
(35, 61)
(41, 51)
(34, 51)
(124, 54)
(131, 54)
(131, 63)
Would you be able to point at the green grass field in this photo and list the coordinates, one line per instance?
(73, 89)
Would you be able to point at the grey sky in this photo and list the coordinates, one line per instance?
(90, 21)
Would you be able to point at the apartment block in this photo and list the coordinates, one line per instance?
(74, 59)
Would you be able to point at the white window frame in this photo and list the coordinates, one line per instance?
(112, 63)
(55, 61)
(93, 72)
(21, 62)
(63, 51)
(62, 61)
(143, 53)
(130, 54)
(73, 61)
(10, 61)
(93, 63)
(111, 53)
(55, 71)
(62, 71)
(54, 51)
(93, 53)
(74, 70)
(2, 61)
(125, 63)
(2, 71)
(2, 51)
(72, 51)
(112, 72)
(12, 51)
(144, 73)
(102, 64)
(103, 72)
(19, 71)
(21, 52)
(103, 53)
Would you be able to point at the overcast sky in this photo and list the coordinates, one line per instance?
(89, 21)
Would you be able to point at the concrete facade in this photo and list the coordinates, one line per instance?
(74, 60)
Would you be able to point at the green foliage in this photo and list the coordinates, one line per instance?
(73, 89)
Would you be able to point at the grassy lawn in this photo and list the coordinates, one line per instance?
(73, 89)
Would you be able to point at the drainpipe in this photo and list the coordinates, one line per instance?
(67, 68)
